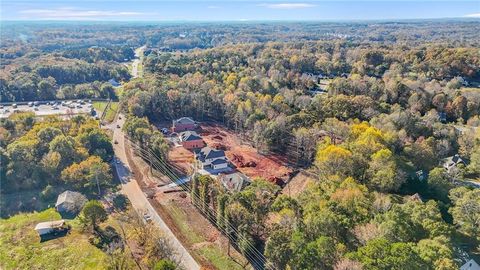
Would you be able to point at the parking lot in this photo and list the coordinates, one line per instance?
(71, 108)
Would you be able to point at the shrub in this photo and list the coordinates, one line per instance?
(165, 264)
(47, 193)
(120, 202)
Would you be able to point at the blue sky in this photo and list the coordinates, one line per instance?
(216, 10)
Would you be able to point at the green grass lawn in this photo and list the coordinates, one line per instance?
(210, 252)
(99, 106)
(111, 112)
(140, 68)
(20, 246)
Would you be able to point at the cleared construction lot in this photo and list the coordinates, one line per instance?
(244, 157)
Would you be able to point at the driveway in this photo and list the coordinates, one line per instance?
(139, 201)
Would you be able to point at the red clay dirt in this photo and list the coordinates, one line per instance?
(181, 159)
(245, 157)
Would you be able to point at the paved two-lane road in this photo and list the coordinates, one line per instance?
(139, 201)
(137, 61)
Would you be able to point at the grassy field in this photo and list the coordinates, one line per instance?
(20, 246)
(211, 252)
(140, 68)
(112, 111)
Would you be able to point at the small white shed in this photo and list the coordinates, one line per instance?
(43, 228)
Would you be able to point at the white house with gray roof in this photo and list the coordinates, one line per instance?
(451, 163)
(210, 159)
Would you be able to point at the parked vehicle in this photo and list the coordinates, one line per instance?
(14, 106)
(147, 218)
(30, 104)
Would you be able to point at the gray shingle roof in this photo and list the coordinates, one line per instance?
(234, 181)
(208, 153)
(189, 136)
(71, 201)
(219, 161)
(453, 160)
(184, 120)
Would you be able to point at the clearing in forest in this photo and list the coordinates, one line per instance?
(245, 157)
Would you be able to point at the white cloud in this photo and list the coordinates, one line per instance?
(474, 15)
(287, 5)
(72, 13)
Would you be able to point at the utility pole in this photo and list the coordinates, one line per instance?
(228, 235)
(228, 248)
(150, 161)
(96, 178)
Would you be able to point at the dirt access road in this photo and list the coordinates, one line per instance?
(140, 202)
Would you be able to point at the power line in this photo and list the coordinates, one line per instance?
(210, 216)
(194, 202)
(163, 167)
(172, 174)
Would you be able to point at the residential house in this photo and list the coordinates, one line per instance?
(191, 140)
(463, 81)
(421, 175)
(44, 228)
(470, 265)
(183, 124)
(210, 159)
(450, 163)
(70, 202)
(234, 182)
(442, 117)
(114, 83)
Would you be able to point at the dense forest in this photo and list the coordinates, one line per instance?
(45, 61)
(272, 92)
(58, 153)
(373, 121)
(73, 74)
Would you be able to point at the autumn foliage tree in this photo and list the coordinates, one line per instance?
(88, 174)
